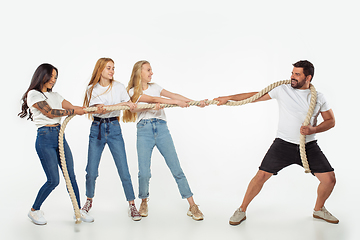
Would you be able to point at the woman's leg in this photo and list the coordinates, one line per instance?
(145, 144)
(95, 150)
(117, 147)
(46, 148)
(70, 169)
(166, 147)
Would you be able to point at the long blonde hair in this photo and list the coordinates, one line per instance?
(135, 83)
(95, 78)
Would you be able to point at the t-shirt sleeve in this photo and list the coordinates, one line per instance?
(34, 96)
(274, 92)
(324, 105)
(60, 98)
(157, 87)
(124, 95)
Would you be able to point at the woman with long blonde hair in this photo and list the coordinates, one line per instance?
(152, 131)
(102, 91)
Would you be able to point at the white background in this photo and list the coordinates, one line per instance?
(200, 49)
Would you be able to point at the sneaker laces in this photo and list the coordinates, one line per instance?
(325, 211)
(195, 209)
(87, 206)
(38, 214)
(133, 211)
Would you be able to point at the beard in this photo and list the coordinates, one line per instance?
(296, 84)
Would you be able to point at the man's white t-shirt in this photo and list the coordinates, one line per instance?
(153, 90)
(293, 107)
(109, 96)
(52, 98)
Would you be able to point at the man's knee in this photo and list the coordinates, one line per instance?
(327, 178)
(262, 176)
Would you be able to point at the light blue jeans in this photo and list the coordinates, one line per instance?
(150, 133)
(112, 136)
(47, 148)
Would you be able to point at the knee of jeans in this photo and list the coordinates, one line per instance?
(90, 177)
(179, 175)
(53, 183)
(144, 176)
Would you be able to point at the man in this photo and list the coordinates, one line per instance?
(294, 101)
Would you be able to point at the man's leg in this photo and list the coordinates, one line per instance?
(326, 185)
(253, 189)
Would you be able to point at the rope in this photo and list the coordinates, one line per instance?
(191, 103)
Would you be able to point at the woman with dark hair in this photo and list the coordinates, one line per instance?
(46, 108)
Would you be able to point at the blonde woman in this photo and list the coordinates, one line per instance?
(103, 90)
(152, 131)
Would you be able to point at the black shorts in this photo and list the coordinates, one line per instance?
(282, 154)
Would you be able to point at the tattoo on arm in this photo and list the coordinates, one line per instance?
(47, 110)
(57, 112)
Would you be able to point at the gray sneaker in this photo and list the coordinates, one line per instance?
(237, 217)
(37, 217)
(325, 215)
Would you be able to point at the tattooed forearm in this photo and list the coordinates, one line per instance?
(57, 112)
(51, 113)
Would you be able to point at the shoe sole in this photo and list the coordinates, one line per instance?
(144, 214)
(329, 221)
(237, 223)
(193, 217)
(34, 221)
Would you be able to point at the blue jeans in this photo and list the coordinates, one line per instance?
(47, 148)
(111, 135)
(154, 132)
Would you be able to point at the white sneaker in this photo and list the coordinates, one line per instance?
(325, 215)
(37, 217)
(85, 217)
(237, 217)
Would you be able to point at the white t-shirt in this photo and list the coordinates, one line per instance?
(153, 90)
(52, 98)
(103, 95)
(293, 107)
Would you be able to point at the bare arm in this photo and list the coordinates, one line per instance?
(68, 106)
(329, 122)
(174, 96)
(45, 109)
(240, 97)
(151, 99)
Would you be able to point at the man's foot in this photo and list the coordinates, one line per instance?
(85, 217)
(87, 206)
(195, 213)
(143, 209)
(237, 217)
(37, 217)
(325, 215)
(133, 213)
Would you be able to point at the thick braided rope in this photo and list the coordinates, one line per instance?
(65, 171)
(307, 122)
(192, 103)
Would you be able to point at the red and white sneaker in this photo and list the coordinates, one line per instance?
(87, 206)
(133, 213)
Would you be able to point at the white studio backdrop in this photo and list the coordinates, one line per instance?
(200, 49)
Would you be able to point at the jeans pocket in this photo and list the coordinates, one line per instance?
(42, 132)
(140, 124)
